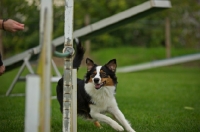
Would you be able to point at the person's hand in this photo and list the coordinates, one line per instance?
(13, 26)
(2, 69)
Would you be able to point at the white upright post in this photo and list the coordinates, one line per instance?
(68, 65)
(74, 101)
(32, 103)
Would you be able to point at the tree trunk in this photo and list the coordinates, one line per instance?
(87, 42)
(167, 38)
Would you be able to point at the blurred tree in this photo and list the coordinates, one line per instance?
(99, 10)
(147, 32)
(185, 18)
(21, 11)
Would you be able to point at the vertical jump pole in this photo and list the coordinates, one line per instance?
(69, 123)
(74, 101)
(32, 103)
(44, 65)
(38, 87)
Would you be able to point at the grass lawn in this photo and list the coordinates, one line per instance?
(158, 100)
(164, 99)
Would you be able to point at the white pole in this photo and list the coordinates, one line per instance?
(74, 101)
(32, 103)
(67, 83)
(159, 63)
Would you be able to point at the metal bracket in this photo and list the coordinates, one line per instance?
(67, 52)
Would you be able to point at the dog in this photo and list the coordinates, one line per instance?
(96, 93)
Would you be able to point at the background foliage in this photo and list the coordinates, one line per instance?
(146, 32)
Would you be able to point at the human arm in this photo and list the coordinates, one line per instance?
(11, 25)
(2, 67)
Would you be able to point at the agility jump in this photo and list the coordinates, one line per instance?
(38, 111)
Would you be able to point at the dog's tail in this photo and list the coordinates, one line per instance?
(79, 54)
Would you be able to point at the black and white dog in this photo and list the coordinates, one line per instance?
(96, 93)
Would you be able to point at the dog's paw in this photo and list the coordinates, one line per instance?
(98, 125)
(130, 130)
(118, 128)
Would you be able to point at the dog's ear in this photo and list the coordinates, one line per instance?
(89, 64)
(112, 65)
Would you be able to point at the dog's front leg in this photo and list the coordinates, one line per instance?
(106, 119)
(120, 117)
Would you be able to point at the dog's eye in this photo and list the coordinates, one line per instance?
(103, 75)
(92, 75)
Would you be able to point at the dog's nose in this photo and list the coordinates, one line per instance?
(96, 80)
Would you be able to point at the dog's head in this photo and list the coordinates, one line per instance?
(101, 76)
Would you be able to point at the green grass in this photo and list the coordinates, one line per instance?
(164, 99)
(132, 55)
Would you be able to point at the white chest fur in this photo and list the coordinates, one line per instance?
(102, 98)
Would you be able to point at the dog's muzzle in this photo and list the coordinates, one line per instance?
(97, 84)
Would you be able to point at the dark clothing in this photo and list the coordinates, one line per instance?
(1, 63)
